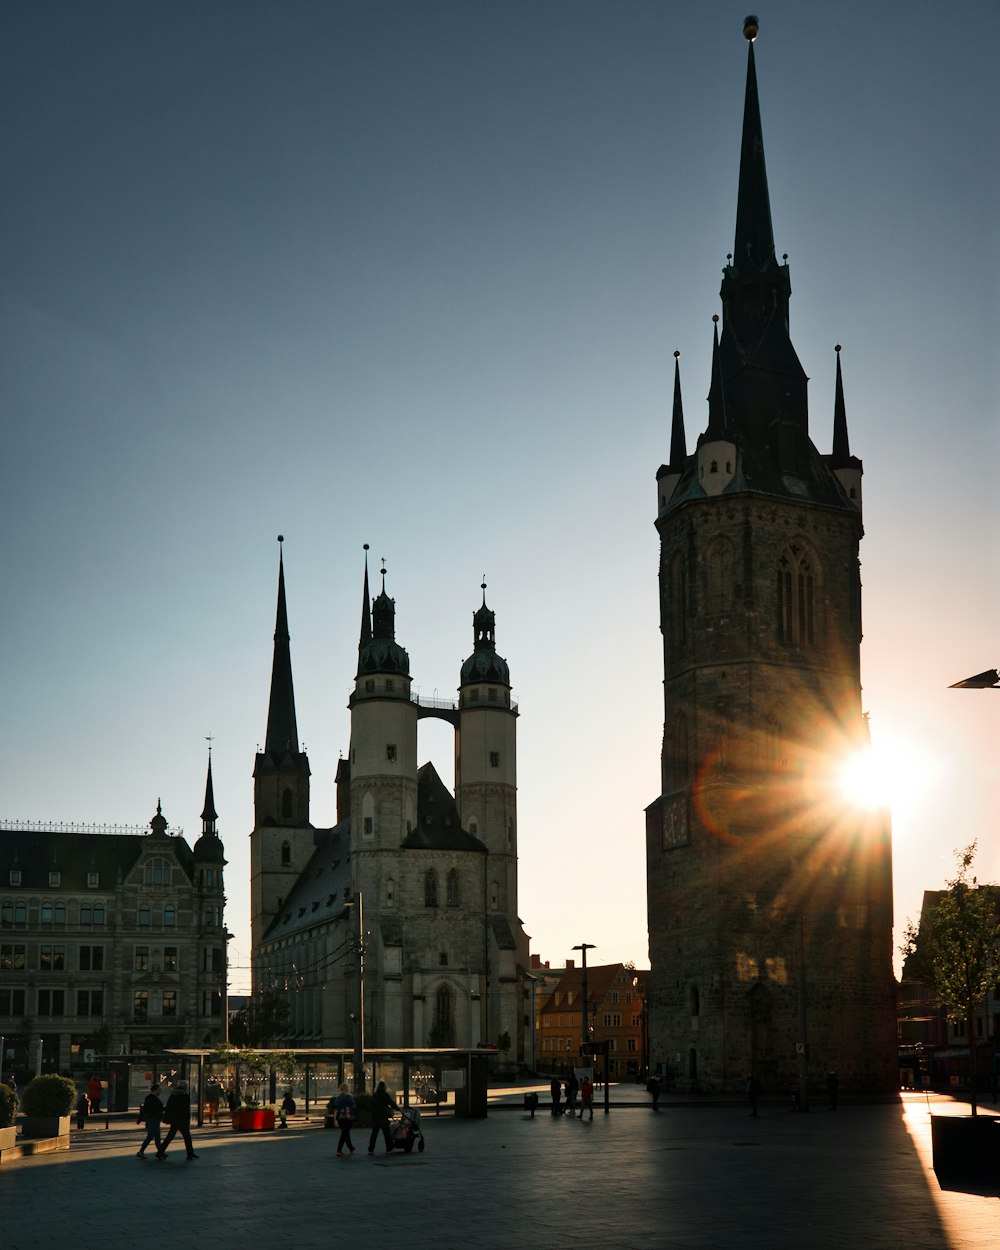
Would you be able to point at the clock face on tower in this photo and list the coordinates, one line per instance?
(675, 821)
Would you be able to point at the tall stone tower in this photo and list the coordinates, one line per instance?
(769, 899)
(282, 839)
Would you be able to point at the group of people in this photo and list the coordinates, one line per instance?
(344, 1108)
(175, 1113)
(584, 1090)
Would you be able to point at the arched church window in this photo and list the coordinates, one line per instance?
(795, 597)
(368, 816)
(430, 888)
(287, 804)
(286, 854)
(452, 887)
(444, 1029)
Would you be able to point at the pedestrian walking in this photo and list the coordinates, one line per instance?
(832, 1088)
(382, 1109)
(213, 1096)
(82, 1110)
(572, 1089)
(753, 1092)
(653, 1085)
(345, 1111)
(586, 1097)
(177, 1113)
(555, 1088)
(94, 1093)
(151, 1114)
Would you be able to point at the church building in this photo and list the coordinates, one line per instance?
(408, 904)
(769, 896)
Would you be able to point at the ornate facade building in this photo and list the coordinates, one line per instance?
(769, 898)
(412, 895)
(110, 942)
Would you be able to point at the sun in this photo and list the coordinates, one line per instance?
(894, 773)
(864, 781)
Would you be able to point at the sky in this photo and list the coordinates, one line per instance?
(412, 273)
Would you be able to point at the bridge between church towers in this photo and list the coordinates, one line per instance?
(450, 709)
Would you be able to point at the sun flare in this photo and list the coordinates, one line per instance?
(884, 775)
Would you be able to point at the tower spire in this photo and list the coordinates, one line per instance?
(718, 425)
(678, 444)
(366, 614)
(282, 731)
(754, 233)
(209, 815)
(841, 445)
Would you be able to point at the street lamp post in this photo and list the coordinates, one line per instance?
(359, 1019)
(583, 947)
(990, 680)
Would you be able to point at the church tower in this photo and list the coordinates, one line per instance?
(282, 838)
(769, 898)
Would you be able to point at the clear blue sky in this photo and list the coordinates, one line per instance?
(412, 273)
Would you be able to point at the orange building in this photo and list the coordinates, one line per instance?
(616, 1013)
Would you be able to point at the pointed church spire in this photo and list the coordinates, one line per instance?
(718, 424)
(841, 446)
(366, 612)
(209, 815)
(754, 234)
(678, 445)
(282, 731)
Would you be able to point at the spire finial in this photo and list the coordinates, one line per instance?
(383, 571)
(483, 587)
(751, 27)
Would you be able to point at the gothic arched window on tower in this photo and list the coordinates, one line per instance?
(287, 804)
(796, 598)
(286, 854)
(443, 1030)
(430, 888)
(451, 891)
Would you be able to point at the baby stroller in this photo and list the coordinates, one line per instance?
(406, 1130)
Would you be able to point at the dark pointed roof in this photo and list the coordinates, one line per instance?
(382, 653)
(209, 845)
(366, 615)
(754, 233)
(439, 826)
(208, 813)
(841, 457)
(484, 664)
(678, 443)
(282, 731)
(718, 424)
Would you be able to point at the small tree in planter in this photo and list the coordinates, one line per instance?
(46, 1101)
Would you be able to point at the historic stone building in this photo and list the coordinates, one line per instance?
(769, 899)
(429, 878)
(110, 942)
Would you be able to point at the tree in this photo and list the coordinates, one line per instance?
(957, 947)
(262, 1022)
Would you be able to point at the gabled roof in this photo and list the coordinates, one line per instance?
(438, 825)
(73, 855)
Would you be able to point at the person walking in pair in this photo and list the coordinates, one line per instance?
(151, 1114)
(572, 1089)
(177, 1113)
(345, 1111)
(555, 1089)
(382, 1109)
(586, 1097)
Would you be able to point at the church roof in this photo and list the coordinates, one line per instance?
(322, 888)
(438, 826)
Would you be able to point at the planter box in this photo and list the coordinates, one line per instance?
(966, 1147)
(45, 1126)
(8, 1137)
(253, 1120)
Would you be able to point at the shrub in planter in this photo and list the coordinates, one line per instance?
(8, 1106)
(49, 1096)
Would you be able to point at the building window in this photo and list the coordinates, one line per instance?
(443, 959)
(140, 1006)
(15, 876)
(368, 826)
(6, 912)
(51, 1002)
(614, 997)
(473, 825)
(11, 1003)
(90, 1002)
(452, 887)
(390, 752)
(99, 914)
(695, 1000)
(430, 888)
(630, 1044)
(12, 957)
(390, 684)
(169, 915)
(20, 913)
(390, 892)
(91, 958)
(211, 916)
(494, 895)
(54, 878)
(491, 694)
(86, 913)
(60, 913)
(144, 916)
(170, 1002)
(795, 598)
(170, 959)
(52, 958)
(286, 854)
(494, 759)
(46, 913)
(370, 685)
(157, 871)
(140, 961)
(93, 880)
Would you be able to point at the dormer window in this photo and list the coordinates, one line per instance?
(54, 878)
(714, 467)
(15, 876)
(93, 880)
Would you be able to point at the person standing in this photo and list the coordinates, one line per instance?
(382, 1109)
(572, 1089)
(82, 1110)
(151, 1114)
(586, 1097)
(177, 1113)
(213, 1095)
(555, 1088)
(653, 1085)
(345, 1111)
(94, 1093)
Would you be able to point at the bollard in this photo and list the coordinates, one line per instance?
(107, 1123)
(530, 1103)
